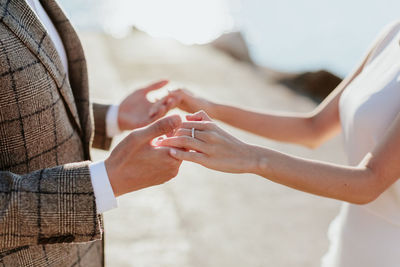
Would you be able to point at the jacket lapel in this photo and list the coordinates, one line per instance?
(78, 76)
(22, 21)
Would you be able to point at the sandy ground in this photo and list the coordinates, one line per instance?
(204, 218)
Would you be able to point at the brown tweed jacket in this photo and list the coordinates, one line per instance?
(47, 205)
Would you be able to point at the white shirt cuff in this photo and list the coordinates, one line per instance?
(103, 192)
(112, 128)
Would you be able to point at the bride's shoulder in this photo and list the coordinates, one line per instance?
(391, 27)
(383, 38)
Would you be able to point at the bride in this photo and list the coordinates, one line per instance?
(365, 106)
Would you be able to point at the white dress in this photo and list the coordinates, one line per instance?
(369, 235)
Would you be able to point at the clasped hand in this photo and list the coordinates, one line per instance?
(136, 162)
(209, 146)
(136, 111)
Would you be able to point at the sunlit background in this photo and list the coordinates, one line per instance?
(204, 218)
(284, 34)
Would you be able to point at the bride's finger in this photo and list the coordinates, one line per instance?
(156, 107)
(201, 135)
(161, 111)
(198, 116)
(195, 157)
(185, 142)
(199, 125)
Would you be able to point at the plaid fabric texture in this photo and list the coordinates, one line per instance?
(47, 205)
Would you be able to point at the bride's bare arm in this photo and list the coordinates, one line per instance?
(361, 184)
(307, 129)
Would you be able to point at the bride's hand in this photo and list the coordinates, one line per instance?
(188, 102)
(211, 146)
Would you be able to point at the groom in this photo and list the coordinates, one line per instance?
(51, 195)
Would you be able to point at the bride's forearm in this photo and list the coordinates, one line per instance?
(216, 149)
(293, 128)
(357, 185)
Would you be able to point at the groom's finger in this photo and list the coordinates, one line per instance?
(184, 142)
(159, 128)
(188, 156)
(155, 86)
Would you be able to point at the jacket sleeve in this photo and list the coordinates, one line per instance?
(100, 139)
(54, 205)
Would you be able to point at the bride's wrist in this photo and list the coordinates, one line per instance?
(258, 161)
(213, 110)
(250, 158)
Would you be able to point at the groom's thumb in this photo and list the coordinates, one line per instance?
(161, 127)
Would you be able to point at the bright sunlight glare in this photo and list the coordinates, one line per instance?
(188, 21)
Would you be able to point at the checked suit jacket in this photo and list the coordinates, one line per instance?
(47, 125)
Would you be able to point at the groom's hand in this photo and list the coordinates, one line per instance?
(135, 163)
(136, 111)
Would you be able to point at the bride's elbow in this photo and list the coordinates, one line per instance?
(318, 131)
(374, 189)
(312, 144)
(315, 135)
(314, 140)
(364, 200)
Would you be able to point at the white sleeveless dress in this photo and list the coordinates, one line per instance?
(369, 235)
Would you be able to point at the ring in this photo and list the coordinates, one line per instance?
(193, 133)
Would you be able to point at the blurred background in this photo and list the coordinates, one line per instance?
(267, 55)
(287, 35)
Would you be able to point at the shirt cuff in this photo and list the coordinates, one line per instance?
(103, 192)
(112, 128)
